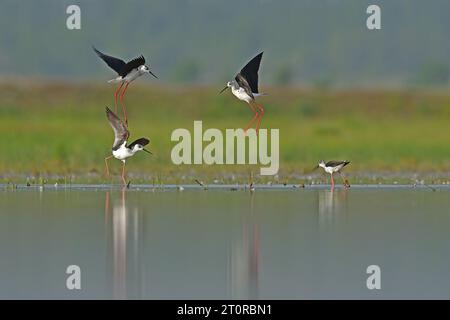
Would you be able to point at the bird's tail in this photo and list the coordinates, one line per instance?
(260, 94)
(115, 80)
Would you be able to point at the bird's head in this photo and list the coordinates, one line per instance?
(138, 147)
(229, 85)
(140, 144)
(321, 164)
(146, 69)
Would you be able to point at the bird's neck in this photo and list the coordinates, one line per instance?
(124, 146)
(234, 89)
(132, 150)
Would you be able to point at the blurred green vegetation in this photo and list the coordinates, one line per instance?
(60, 130)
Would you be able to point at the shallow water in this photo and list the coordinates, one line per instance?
(289, 243)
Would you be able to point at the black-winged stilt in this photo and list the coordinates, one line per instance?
(127, 71)
(245, 88)
(120, 150)
(332, 167)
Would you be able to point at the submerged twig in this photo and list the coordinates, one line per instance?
(426, 185)
(432, 189)
(200, 183)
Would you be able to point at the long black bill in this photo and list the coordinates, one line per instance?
(147, 151)
(152, 74)
(226, 87)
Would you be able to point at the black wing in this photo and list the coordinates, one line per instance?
(336, 163)
(243, 83)
(250, 72)
(121, 132)
(133, 64)
(114, 63)
(142, 141)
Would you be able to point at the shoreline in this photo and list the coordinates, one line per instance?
(219, 187)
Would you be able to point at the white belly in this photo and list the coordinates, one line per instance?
(122, 153)
(333, 169)
(241, 94)
(134, 74)
(328, 170)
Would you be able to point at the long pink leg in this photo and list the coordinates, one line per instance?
(106, 163)
(261, 113)
(123, 106)
(115, 97)
(254, 118)
(123, 175)
(332, 182)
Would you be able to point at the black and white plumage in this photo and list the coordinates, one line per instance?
(126, 71)
(332, 167)
(245, 87)
(120, 150)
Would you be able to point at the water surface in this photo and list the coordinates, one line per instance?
(287, 243)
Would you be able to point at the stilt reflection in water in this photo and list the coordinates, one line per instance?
(124, 246)
(245, 257)
(332, 205)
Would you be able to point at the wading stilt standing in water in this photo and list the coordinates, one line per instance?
(332, 167)
(120, 150)
(245, 88)
(127, 71)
